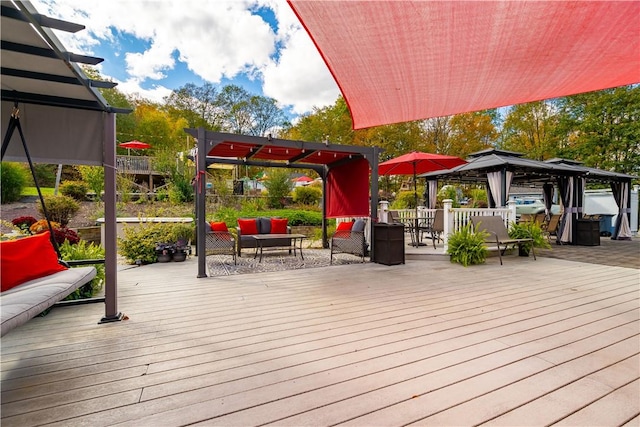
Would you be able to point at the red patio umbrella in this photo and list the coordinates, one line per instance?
(135, 144)
(417, 162)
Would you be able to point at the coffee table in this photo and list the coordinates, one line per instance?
(293, 238)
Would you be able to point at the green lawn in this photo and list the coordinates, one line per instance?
(32, 191)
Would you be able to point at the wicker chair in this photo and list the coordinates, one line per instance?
(350, 241)
(220, 243)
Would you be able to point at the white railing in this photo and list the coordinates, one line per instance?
(455, 218)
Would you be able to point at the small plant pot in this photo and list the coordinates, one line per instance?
(179, 256)
(523, 251)
(164, 257)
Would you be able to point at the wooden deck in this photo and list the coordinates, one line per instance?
(427, 343)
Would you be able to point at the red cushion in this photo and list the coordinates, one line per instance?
(344, 226)
(26, 259)
(218, 226)
(279, 225)
(248, 226)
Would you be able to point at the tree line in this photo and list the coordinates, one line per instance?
(600, 129)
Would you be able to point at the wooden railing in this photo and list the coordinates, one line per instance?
(135, 165)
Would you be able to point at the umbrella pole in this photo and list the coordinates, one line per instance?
(417, 241)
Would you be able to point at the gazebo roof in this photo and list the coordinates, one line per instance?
(524, 170)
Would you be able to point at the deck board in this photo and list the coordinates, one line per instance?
(428, 342)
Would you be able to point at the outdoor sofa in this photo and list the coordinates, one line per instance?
(33, 279)
(249, 227)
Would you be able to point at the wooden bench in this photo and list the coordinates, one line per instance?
(25, 301)
(498, 233)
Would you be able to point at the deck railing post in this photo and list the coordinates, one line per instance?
(448, 223)
(511, 216)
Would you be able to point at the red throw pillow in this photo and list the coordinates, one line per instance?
(248, 226)
(344, 226)
(26, 259)
(279, 225)
(218, 226)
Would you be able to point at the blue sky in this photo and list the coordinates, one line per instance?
(153, 47)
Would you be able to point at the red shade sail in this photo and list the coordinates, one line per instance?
(417, 162)
(135, 145)
(398, 61)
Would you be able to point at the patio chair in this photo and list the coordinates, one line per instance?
(526, 218)
(498, 234)
(436, 226)
(350, 241)
(551, 228)
(220, 243)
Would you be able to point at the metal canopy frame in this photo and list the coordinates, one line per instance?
(64, 118)
(226, 148)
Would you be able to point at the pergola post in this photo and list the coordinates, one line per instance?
(111, 313)
(200, 187)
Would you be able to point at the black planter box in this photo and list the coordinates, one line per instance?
(388, 244)
(587, 232)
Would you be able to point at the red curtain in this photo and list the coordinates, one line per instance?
(348, 190)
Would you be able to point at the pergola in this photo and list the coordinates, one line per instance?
(62, 116)
(499, 169)
(349, 173)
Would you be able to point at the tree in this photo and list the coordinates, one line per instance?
(266, 116)
(437, 132)
(235, 102)
(530, 129)
(198, 105)
(279, 186)
(332, 123)
(471, 132)
(602, 128)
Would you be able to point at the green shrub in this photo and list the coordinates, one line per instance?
(529, 230)
(279, 187)
(139, 242)
(77, 190)
(467, 247)
(79, 251)
(94, 177)
(60, 208)
(13, 180)
(307, 195)
(180, 190)
(405, 200)
(45, 174)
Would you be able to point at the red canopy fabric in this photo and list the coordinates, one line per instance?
(417, 162)
(348, 190)
(398, 61)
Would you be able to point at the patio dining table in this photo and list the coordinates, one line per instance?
(417, 225)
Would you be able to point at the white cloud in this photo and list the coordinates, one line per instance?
(215, 39)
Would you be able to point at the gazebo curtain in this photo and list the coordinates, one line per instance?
(432, 185)
(565, 187)
(621, 194)
(547, 195)
(348, 190)
(495, 187)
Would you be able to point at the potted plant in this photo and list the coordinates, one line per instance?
(165, 251)
(528, 230)
(467, 247)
